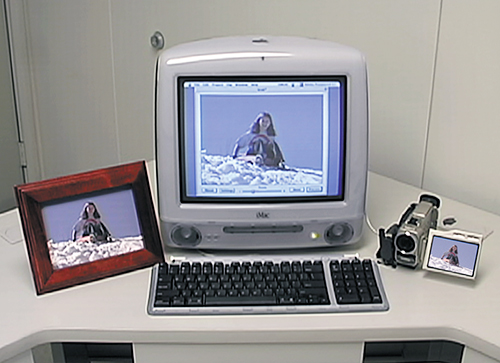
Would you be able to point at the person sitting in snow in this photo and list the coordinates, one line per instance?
(89, 226)
(258, 144)
(451, 256)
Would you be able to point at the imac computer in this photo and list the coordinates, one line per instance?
(261, 143)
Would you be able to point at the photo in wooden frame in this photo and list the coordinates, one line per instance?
(88, 226)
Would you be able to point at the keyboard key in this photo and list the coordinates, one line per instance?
(173, 269)
(365, 298)
(207, 268)
(232, 293)
(196, 268)
(240, 300)
(218, 268)
(307, 266)
(178, 301)
(286, 268)
(313, 283)
(194, 301)
(167, 293)
(312, 292)
(162, 303)
(296, 267)
(287, 300)
(346, 298)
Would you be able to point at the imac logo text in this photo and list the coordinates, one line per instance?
(262, 215)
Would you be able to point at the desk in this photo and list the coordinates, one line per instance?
(423, 306)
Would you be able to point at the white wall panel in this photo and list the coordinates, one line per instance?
(72, 88)
(464, 148)
(398, 38)
(92, 70)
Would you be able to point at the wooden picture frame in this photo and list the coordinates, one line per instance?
(51, 210)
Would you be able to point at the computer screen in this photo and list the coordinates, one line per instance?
(261, 143)
(261, 139)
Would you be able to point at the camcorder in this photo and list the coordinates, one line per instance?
(404, 243)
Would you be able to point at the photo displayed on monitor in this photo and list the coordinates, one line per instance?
(254, 139)
(453, 255)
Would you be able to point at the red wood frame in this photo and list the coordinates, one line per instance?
(31, 196)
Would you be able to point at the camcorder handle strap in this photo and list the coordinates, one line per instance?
(386, 251)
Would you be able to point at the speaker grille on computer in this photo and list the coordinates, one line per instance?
(185, 236)
(339, 233)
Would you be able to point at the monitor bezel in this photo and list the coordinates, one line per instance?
(181, 142)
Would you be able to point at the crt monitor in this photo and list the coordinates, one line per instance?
(261, 143)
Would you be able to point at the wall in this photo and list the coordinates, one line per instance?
(462, 157)
(10, 163)
(85, 74)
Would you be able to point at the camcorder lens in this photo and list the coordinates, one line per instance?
(405, 243)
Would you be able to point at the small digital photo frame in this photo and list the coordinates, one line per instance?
(453, 253)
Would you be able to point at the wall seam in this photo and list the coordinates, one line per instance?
(32, 172)
(431, 99)
(113, 77)
(20, 140)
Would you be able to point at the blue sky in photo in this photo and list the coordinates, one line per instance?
(467, 252)
(297, 120)
(116, 207)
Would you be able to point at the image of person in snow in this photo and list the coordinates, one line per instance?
(89, 226)
(451, 256)
(258, 144)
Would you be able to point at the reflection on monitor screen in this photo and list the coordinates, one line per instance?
(262, 144)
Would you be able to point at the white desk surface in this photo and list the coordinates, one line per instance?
(424, 305)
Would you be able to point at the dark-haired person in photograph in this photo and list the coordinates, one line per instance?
(258, 144)
(89, 226)
(451, 256)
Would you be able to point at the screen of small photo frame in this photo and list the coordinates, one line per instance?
(452, 256)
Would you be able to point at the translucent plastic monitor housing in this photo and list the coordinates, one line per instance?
(262, 143)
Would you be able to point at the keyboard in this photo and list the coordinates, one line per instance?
(270, 285)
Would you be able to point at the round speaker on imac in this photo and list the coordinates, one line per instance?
(339, 233)
(185, 236)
